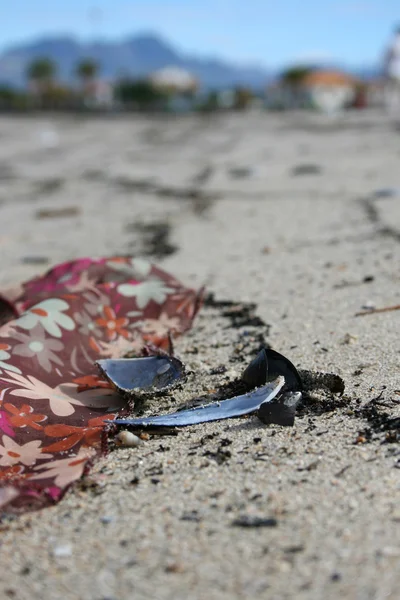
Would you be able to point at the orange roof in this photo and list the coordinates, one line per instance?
(333, 78)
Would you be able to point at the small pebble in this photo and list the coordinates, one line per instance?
(387, 193)
(174, 567)
(35, 260)
(62, 551)
(306, 169)
(106, 519)
(348, 339)
(361, 439)
(241, 172)
(395, 516)
(253, 521)
(129, 439)
(369, 305)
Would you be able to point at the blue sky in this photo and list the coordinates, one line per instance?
(268, 32)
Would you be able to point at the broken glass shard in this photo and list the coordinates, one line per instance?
(148, 374)
(215, 411)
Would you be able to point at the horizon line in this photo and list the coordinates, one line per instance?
(106, 39)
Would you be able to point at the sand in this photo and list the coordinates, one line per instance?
(278, 210)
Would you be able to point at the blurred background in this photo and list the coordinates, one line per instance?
(251, 147)
(147, 126)
(185, 55)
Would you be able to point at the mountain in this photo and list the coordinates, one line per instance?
(136, 57)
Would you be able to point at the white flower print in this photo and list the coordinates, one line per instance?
(36, 344)
(121, 347)
(135, 268)
(61, 403)
(86, 324)
(82, 282)
(50, 314)
(65, 470)
(65, 396)
(97, 398)
(95, 302)
(160, 326)
(28, 454)
(4, 355)
(7, 494)
(153, 289)
(7, 329)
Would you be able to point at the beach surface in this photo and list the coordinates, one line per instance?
(297, 214)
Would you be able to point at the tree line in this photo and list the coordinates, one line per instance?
(44, 90)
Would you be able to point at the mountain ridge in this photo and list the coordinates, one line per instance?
(135, 56)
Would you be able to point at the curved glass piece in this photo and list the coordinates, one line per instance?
(215, 411)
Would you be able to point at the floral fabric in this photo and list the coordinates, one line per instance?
(53, 404)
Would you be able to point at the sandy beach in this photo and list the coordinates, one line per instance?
(296, 213)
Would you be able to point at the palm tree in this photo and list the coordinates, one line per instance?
(41, 72)
(139, 94)
(87, 70)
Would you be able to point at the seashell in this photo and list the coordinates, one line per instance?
(280, 411)
(146, 375)
(267, 365)
(129, 439)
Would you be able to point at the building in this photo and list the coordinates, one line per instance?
(174, 80)
(330, 91)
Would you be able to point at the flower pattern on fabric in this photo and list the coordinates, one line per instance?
(50, 314)
(94, 302)
(5, 424)
(145, 292)
(37, 345)
(161, 326)
(61, 404)
(86, 324)
(27, 454)
(4, 356)
(53, 403)
(65, 470)
(122, 346)
(90, 435)
(7, 329)
(112, 325)
(91, 382)
(77, 282)
(134, 268)
(24, 416)
(11, 472)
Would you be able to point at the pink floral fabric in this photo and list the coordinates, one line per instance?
(53, 404)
